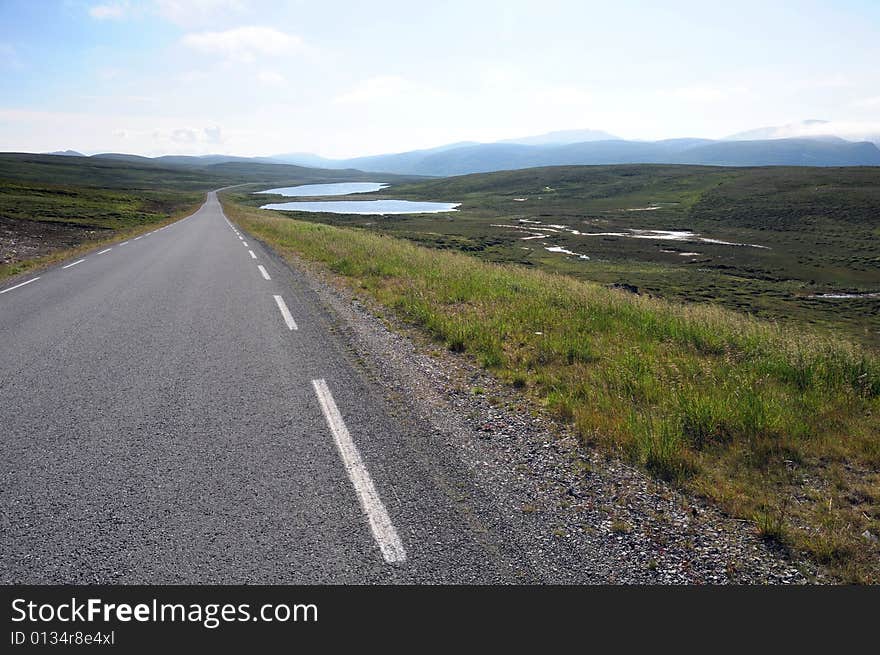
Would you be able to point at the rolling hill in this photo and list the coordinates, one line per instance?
(462, 159)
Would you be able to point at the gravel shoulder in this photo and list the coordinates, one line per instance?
(588, 517)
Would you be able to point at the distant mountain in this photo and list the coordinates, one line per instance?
(810, 129)
(679, 145)
(563, 137)
(121, 156)
(303, 159)
(507, 156)
(133, 172)
(767, 146)
(784, 152)
(762, 147)
(792, 130)
(385, 163)
(486, 157)
(184, 160)
(66, 153)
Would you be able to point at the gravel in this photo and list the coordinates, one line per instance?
(585, 516)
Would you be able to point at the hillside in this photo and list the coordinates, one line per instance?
(486, 157)
(131, 171)
(562, 148)
(53, 205)
(812, 232)
(776, 425)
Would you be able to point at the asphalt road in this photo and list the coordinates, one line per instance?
(171, 413)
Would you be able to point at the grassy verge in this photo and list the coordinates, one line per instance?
(818, 228)
(89, 218)
(777, 426)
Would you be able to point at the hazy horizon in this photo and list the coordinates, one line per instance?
(250, 78)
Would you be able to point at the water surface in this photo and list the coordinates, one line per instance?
(335, 189)
(366, 207)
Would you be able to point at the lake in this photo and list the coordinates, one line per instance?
(335, 189)
(366, 207)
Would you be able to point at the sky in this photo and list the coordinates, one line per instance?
(342, 79)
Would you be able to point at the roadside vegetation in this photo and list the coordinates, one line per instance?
(41, 224)
(55, 207)
(818, 229)
(779, 425)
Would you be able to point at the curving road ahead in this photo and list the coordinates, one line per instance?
(177, 409)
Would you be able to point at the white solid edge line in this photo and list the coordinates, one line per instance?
(253, 256)
(282, 306)
(33, 279)
(105, 250)
(377, 516)
(263, 271)
(78, 261)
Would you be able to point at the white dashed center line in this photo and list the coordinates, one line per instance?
(377, 516)
(123, 243)
(78, 261)
(136, 238)
(244, 243)
(21, 284)
(282, 306)
(105, 250)
(263, 271)
(253, 256)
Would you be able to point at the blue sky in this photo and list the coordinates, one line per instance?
(348, 78)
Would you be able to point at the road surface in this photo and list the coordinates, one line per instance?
(177, 409)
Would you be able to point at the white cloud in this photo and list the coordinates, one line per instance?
(184, 135)
(244, 44)
(271, 78)
(823, 82)
(386, 88)
(192, 138)
(109, 11)
(185, 139)
(188, 12)
(213, 135)
(706, 94)
(38, 131)
(567, 95)
(868, 102)
(375, 88)
(850, 130)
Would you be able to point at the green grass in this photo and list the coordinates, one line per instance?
(821, 228)
(95, 209)
(750, 414)
(145, 174)
(55, 207)
(44, 224)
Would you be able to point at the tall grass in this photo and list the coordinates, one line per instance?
(745, 412)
